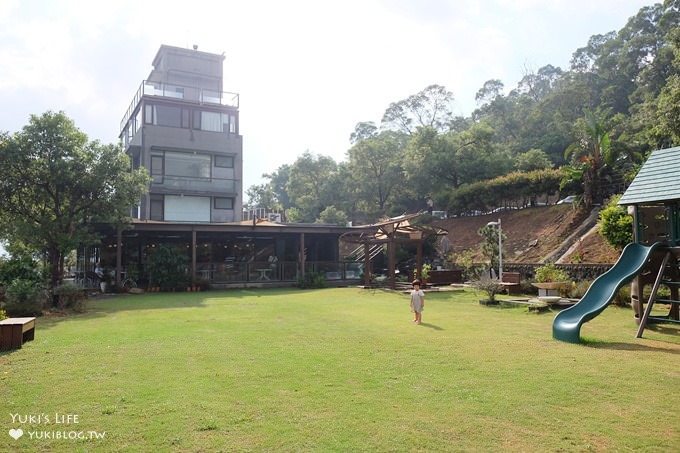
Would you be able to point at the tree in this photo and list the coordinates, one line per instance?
(375, 165)
(591, 152)
(534, 159)
(332, 216)
(308, 186)
(363, 131)
(432, 107)
(278, 181)
(262, 196)
(489, 245)
(54, 184)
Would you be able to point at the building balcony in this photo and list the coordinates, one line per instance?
(187, 93)
(186, 184)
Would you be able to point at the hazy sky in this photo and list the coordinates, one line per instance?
(307, 71)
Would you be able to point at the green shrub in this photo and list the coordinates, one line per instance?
(489, 286)
(3, 315)
(527, 288)
(578, 289)
(312, 280)
(616, 225)
(549, 273)
(19, 267)
(622, 298)
(24, 298)
(71, 297)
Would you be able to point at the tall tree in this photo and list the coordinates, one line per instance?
(591, 152)
(375, 163)
(432, 107)
(308, 186)
(54, 184)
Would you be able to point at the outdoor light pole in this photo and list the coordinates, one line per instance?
(500, 248)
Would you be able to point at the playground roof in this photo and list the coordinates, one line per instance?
(657, 180)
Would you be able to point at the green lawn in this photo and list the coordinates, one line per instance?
(336, 370)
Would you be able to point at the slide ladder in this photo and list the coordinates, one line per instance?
(668, 275)
(567, 323)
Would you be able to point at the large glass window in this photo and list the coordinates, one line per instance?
(166, 115)
(215, 121)
(187, 164)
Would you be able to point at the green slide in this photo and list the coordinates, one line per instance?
(567, 323)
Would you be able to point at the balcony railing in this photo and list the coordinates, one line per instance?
(188, 93)
(186, 183)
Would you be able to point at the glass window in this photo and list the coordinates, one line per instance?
(156, 205)
(232, 124)
(224, 203)
(168, 116)
(187, 164)
(224, 161)
(157, 168)
(211, 121)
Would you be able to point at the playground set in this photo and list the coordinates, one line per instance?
(653, 199)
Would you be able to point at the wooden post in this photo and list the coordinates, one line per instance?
(419, 259)
(391, 261)
(119, 255)
(193, 257)
(302, 255)
(367, 264)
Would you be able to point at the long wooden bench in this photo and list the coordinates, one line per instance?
(16, 331)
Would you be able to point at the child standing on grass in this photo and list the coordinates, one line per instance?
(417, 301)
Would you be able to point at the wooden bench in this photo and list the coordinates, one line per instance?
(511, 282)
(16, 331)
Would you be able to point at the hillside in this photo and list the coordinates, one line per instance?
(534, 233)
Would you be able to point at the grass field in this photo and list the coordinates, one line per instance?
(335, 370)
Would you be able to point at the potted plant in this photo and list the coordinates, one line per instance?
(490, 286)
(550, 280)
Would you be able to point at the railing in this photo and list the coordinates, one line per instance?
(221, 185)
(196, 94)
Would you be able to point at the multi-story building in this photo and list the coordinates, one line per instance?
(184, 129)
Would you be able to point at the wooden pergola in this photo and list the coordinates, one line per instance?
(392, 231)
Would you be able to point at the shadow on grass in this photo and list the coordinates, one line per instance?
(617, 346)
(431, 326)
(107, 304)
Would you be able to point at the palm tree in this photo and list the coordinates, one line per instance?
(591, 153)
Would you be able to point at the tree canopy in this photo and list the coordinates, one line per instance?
(596, 120)
(54, 184)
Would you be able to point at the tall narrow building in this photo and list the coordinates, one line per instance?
(184, 129)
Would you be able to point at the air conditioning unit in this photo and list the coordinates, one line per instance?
(274, 217)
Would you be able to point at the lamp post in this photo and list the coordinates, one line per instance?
(500, 248)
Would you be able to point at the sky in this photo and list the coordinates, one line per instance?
(306, 71)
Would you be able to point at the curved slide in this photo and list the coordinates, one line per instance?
(567, 323)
